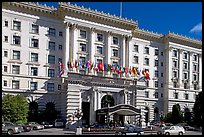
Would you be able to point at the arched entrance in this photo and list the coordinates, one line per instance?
(156, 114)
(33, 112)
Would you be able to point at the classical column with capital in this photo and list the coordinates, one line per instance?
(130, 53)
(67, 45)
(190, 70)
(200, 71)
(74, 42)
(92, 47)
(180, 67)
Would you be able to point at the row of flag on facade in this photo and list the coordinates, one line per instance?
(114, 68)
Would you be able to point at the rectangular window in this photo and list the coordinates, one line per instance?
(194, 57)
(15, 84)
(186, 96)
(115, 40)
(175, 95)
(5, 83)
(60, 47)
(51, 31)
(161, 85)
(161, 74)
(82, 34)
(194, 67)
(51, 45)
(175, 64)
(34, 43)
(33, 86)
(59, 87)
(15, 69)
(82, 47)
(146, 61)
(5, 38)
(161, 53)
(135, 59)
(51, 73)
(100, 37)
(16, 55)
(34, 57)
(60, 60)
(185, 65)
(115, 52)
(156, 84)
(175, 74)
(50, 87)
(35, 29)
(17, 25)
(174, 53)
(185, 55)
(194, 77)
(156, 63)
(156, 52)
(175, 84)
(136, 48)
(185, 86)
(5, 53)
(82, 59)
(99, 50)
(195, 86)
(161, 63)
(146, 50)
(6, 23)
(156, 73)
(16, 40)
(5, 69)
(185, 75)
(147, 83)
(60, 34)
(146, 94)
(161, 95)
(34, 71)
(156, 95)
(51, 59)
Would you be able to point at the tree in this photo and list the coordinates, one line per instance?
(14, 108)
(197, 111)
(50, 113)
(176, 116)
(187, 116)
(33, 112)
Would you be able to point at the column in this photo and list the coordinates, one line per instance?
(75, 43)
(190, 70)
(92, 48)
(123, 53)
(200, 71)
(99, 99)
(180, 67)
(108, 48)
(67, 47)
(130, 57)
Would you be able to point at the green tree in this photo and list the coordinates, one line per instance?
(197, 111)
(14, 108)
(176, 116)
(50, 113)
(168, 118)
(187, 116)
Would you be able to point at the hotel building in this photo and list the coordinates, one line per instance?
(36, 37)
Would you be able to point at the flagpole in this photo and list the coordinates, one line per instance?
(120, 9)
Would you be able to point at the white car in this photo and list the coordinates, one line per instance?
(172, 130)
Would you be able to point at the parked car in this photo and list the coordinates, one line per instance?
(59, 123)
(186, 126)
(47, 124)
(99, 126)
(9, 128)
(172, 130)
(131, 130)
(26, 128)
(35, 126)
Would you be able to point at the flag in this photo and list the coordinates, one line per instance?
(147, 75)
(71, 64)
(87, 64)
(135, 70)
(68, 64)
(76, 64)
(105, 67)
(126, 70)
(80, 64)
(60, 69)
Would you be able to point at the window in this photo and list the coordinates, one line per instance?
(186, 96)
(146, 61)
(51, 45)
(174, 53)
(15, 84)
(161, 95)
(34, 43)
(194, 67)
(175, 74)
(175, 95)
(99, 50)
(60, 34)
(156, 52)
(156, 73)
(51, 73)
(5, 38)
(161, 74)
(146, 50)
(35, 28)
(51, 32)
(60, 60)
(51, 59)
(156, 62)
(147, 83)
(135, 59)
(33, 86)
(161, 53)
(5, 83)
(136, 48)
(161, 63)
(100, 37)
(175, 64)
(5, 53)
(194, 57)
(156, 84)
(16, 40)
(194, 77)
(16, 55)
(34, 57)
(185, 65)
(161, 85)
(156, 95)
(34, 71)
(59, 87)
(175, 84)
(185, 75)
(83, 34)
(15, 69)
(115, 52)
(60, 47)
(146, 94)
(17, 25)
(185, 86)
(82, 47)
(185, 55)
(6, 23)
(5, 68)
(195, 86)
(50, 87)
(115, 63)
(115, 40)
(83, 59)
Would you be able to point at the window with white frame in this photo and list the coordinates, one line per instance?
(5, 69)
(6, 23)
(136, 48)
(34, 43)
(186, 95)
(156, 84)
(83, 34)
(174, 53)
(15, 69)
(15, 84)
(195, 68)
(5, 38)
(35, 28)
(51, 73)
(175, 74)
(51, 45)
(156, 73)
(115, 40)
(185, 55)
(185, 75)
(51, 31)
(195, 86)
(99, 37)
(16, 40)
(99, 50)
(156, 52)
(5, 53)
(146, 50)
(146, 94)
(175, 84)
(34, 57)
(82, 47)
(17, 25)
(156, 62)
(34, 71)
(51, 59)
(16, 55)
(195, 78)
(33, 86)
(50, 87)
(5, 83)
(176, 95)
(175, 64)
(115, 52)
(82, 59)
(195, 57)
(156, 94)
(185, 85)
(135, 59)
(185, 65)
(146, 61)
(115, 63)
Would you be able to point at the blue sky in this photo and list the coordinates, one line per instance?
(184, 18)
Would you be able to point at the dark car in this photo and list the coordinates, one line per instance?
(26, 128)
(47, 124)
(131, 130)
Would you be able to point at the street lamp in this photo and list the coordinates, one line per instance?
(78, 114)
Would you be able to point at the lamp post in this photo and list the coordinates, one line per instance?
(78, 114)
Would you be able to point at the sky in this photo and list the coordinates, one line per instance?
(184, 18)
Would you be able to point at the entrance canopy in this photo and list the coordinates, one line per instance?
(121, 109)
